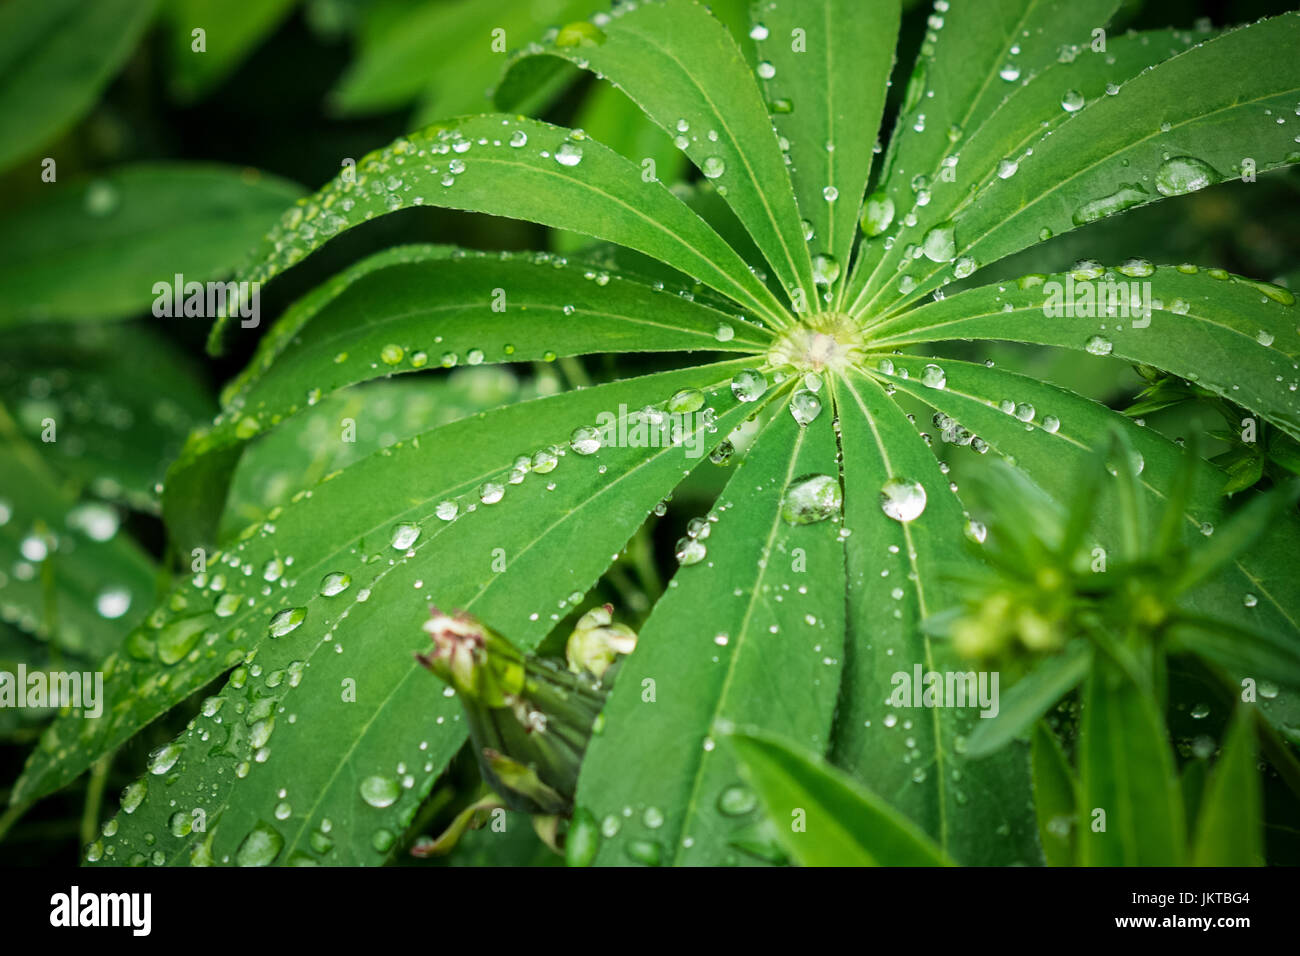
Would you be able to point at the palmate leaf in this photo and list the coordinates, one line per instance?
(914, 758)
(678, 64)
(55, 57)
(342, 528)
(751, 635)
(417, 307)
(94, 249)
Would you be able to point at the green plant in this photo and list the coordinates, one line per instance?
(840, 531)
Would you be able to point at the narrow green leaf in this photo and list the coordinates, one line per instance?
(1230, 825)
(56, 56)
(682, 67)
(1043, 98)
(524, 169)
(95, 248)
(1182, 126)
(898, 574)
(1031, 697)
(823, 816)
(1126, 771)
(1233, 336)
(1054, 797)
(759, 615)
(420, 307)
(830, 64)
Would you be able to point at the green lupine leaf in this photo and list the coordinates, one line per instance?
(231, 32)
(1126, 770)
(424, 307)
(1148, 141)
(827, 110)
(1054, 797)
(897, 575)
(550, 175)
(56, 56)
(1044, 101)
(116, 430)
(1067, 433)
(846, 824)
(1230, 825)
(733, 635)
(683, 68)
(1239, 650)
(344, 526)
(1232, 336)
(1030, 698)
(94, 249)
(71, 577)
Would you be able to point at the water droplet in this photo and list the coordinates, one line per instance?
(645, 851)
(805, 406)
(825, 270)
(748, 385)
(568, 154)
(878, 215)
(287, 620)
(392, 354)
(810, 499)
(380, 792)
(933, 377)
(1184, 174)
(336, 582)
(766, 70)
(134, 795)
(939, 245)
(585, 440)
(404, 535)
(902, 499)
(1125, 197)
(1136, 268)
(1098, 345)
(1072, 101)
(737, 801)
(690, 551)
(490, 492)
(113, 602)
(447, 510)
(713, 167)
(164, 758)
(260, 848)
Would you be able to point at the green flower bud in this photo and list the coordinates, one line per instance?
(529, 718)
(596, 642)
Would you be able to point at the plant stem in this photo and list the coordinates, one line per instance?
(94, 797)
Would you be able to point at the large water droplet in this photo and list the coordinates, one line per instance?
(380, 792)
(902, 499)
(260, 848)
(748, 385)
(404, 535)
(805, 406)
(1184, 174)
(336, 582)
(810, 499)
(287, 620)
